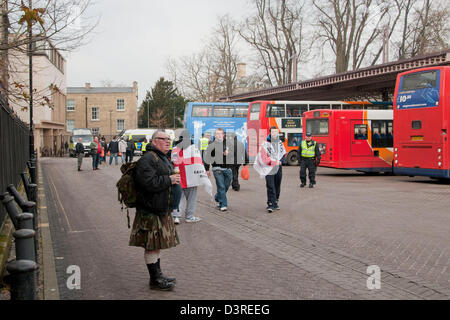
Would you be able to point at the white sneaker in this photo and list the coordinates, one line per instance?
(223, 209)
(193, 219)
(176, 220)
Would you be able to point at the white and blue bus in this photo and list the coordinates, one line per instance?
(206, 117)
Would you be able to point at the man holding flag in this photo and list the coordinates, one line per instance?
(268, 164)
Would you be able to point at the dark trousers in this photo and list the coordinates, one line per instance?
(95, 160)
(235, 183)
(273, 185)
(307, 163)
(129, 155)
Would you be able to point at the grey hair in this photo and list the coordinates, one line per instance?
(158, 131)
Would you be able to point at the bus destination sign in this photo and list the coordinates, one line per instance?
(291, 123)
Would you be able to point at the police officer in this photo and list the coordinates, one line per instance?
(309, 156)
(204, 141)
(144, 146)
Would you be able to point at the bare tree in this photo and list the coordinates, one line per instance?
(211, 73)
(61, 25)
(353, 29)
(275, 33)
(224, 53)
(425, 28)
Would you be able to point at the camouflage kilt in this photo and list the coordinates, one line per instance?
(152, 232)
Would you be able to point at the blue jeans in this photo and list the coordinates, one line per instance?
(223, 180)
(115, 158)
(95, 159)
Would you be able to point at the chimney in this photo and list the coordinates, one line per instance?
(135, 86)
(87, 85)
(241, 70)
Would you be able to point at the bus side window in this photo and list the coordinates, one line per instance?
(360, 131)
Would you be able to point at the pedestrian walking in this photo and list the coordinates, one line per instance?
(113, 149)
(217, 158)
(122, 149)
(79, 151)
(269, 164)
(153, 226)
(130, 151)
(104, 146)
(309, 155)
(96, 150)
(183, 157)
(240, 158)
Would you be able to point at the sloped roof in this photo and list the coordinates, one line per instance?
(99, 90)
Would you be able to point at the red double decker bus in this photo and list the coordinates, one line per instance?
(287, 117)
(359, 140)
(422, 116)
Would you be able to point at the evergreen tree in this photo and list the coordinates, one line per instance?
(165, 106)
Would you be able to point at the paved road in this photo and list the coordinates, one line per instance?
(318, 246)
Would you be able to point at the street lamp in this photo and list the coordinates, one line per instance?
(30, 70)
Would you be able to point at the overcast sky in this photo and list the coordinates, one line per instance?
(134, 38)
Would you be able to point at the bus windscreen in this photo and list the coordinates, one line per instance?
(419, 90)
(317, 127)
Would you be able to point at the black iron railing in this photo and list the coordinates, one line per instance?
(14, 150)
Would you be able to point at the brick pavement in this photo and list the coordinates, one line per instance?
(318, 252)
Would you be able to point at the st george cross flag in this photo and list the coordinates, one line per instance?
(267, 158)
(192, 170)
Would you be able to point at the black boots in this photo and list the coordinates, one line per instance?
(157, 279)
(162, 274)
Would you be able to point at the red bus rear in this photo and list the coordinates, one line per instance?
(353, 139)
(422, 114)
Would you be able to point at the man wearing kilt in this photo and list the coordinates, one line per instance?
(153, 227)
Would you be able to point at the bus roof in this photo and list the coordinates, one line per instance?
(321, 102)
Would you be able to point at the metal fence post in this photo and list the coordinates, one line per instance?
(24, 240)
(11, 208)
(25, 221)
(22, 279)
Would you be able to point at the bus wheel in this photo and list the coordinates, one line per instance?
(292, 158)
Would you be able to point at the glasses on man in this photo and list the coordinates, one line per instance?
(165, 139)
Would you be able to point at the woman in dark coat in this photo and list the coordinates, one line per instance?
(153, 227)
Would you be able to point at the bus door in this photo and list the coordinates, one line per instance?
(359, 145)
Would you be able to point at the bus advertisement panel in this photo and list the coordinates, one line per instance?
(287, 117)
(359, 140)
(206, 117)
(422, 115)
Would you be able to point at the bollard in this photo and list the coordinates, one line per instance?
(30, 188)
(32, 169)
(22, 279)
(11, 208)
(24, 240)
(26, 206)
(25, 221)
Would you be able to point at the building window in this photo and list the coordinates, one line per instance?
(120, 124)
(95, 131)
(120, 104)
(95, 116)
(70, 105)
(70, 125)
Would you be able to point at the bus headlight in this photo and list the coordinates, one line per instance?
(396, 155)
(396, 161)
(395, 149)
(439, 150)
(439, 158)
(439, 164)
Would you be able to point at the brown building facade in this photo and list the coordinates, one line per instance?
(104, 110)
